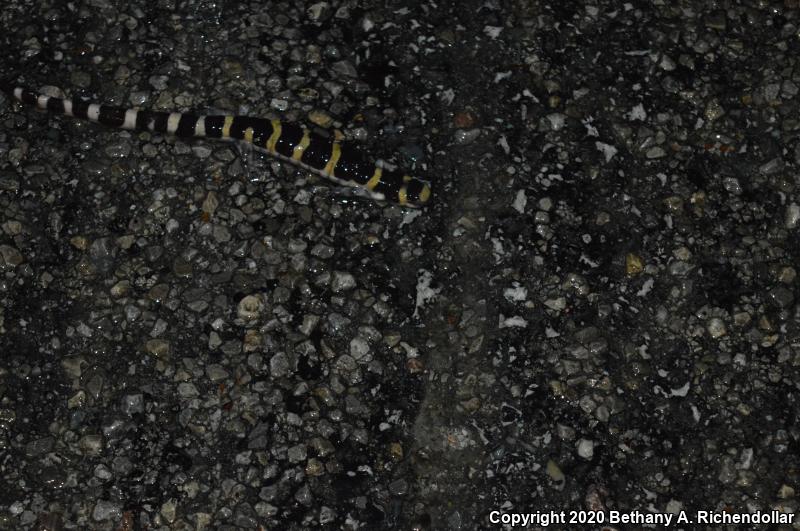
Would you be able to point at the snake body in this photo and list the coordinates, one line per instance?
(287, 141)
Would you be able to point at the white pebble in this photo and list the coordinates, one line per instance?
(792, 215)
(716, 327)
(249, 308)
(586, 448)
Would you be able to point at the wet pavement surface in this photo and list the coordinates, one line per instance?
(598, 312)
